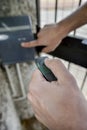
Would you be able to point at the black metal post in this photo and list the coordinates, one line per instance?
(38, 12)
(56, 7)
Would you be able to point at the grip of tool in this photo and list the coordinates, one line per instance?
(46, 72)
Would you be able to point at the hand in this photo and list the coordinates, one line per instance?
(50, 36)
(59, 105)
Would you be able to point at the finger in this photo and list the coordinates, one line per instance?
(30, 44)
(38, 85)
(37, 78)
(59, 70)
(36, 105)
(48, 49)
(33, 104)
(34, 101)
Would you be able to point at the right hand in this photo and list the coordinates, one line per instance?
(59, 105)
(50, 36)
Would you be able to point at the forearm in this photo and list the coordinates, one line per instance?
(75, 20)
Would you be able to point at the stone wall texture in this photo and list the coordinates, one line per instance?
(12, 110)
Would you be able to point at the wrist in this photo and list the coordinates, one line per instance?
(63, 28)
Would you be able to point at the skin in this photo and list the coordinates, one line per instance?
(52, 35)
(59, 105)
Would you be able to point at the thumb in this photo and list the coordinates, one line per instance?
(59, 70)
(30, 44)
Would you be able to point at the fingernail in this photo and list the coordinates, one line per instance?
(22, 44)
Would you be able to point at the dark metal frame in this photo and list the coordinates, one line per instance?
(73, 50)
(38, 12)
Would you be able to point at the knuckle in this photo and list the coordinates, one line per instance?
(52, 49)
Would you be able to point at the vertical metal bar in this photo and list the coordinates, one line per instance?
(80, 1)
(56, 7)
(82, 86)
(38, 12)
(69, 65)
(14, 93)
(74, 32)
(20, 80)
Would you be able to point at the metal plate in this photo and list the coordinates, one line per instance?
(15, 30)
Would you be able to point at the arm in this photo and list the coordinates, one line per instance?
(51, 35)
(59, 105)
(76, 19)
